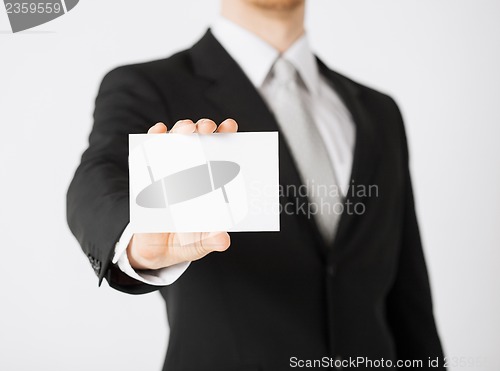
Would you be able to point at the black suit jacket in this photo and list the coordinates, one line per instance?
(271, 296)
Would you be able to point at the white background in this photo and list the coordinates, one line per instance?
(439, 58)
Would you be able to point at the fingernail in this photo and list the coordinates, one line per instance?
(184, 129)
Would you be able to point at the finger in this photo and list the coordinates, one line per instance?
(205, 126)
(158, 128)
(228, 126)
(183, 127)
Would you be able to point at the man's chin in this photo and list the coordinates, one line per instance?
(277, 4)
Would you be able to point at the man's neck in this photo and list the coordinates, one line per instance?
(279, 28)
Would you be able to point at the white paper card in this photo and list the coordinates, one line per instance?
(204, 183)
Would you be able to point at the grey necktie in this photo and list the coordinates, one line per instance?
(307, 146)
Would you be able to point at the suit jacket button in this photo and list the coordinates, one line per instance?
(330, 270)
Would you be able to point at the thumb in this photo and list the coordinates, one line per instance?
(194, 246)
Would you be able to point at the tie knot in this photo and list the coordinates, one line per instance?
(284, 71)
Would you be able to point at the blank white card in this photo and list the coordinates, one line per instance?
(204, 183)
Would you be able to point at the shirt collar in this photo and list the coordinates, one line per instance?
(256, 57)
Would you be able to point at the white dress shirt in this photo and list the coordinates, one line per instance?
(256, 58)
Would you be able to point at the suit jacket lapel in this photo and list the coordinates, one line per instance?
(366, 152)
(230, 91)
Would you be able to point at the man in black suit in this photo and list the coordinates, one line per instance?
(322, 291)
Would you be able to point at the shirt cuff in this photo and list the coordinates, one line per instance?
(157, 277)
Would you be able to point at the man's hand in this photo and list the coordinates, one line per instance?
(159, 250)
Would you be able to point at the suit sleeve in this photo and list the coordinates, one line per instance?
(98, 196)
(409, 303)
